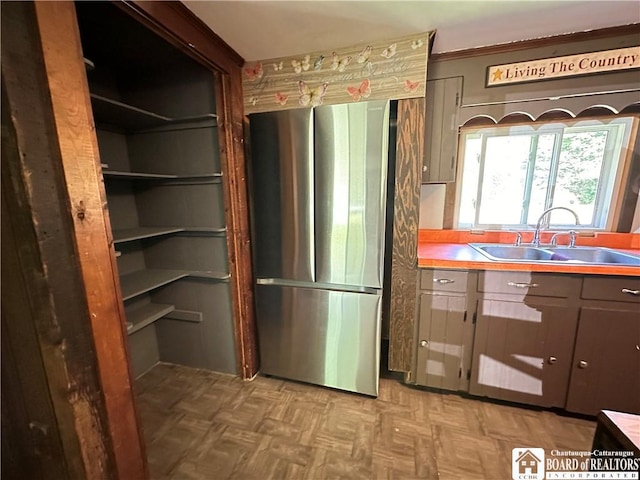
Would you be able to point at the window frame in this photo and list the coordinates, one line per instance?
(609, 185)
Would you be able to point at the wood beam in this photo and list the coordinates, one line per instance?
(90, 227)
(47, 335)
(409, 159)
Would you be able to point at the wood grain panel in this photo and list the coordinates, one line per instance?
(44, 311)
(80, 164)
(409, 156)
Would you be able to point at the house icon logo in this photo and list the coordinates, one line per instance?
(527, 463)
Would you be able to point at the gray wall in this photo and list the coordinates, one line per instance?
(617, 90)
(474, 71)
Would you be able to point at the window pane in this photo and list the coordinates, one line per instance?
(503, 182)
(540, 180)
(578, 173)
(511, 174)
(471, 165)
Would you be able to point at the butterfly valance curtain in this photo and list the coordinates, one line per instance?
(392, 69)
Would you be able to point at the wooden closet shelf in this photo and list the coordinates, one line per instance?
(130, 234)
(209, 275)
(114, 112)
(137, 283)
(136, 175)
(140, 233)
(208, 231)
(140, 317)
(120, 114)
(158, 176)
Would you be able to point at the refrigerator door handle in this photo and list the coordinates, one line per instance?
(283, 282)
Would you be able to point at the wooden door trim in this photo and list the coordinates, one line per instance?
(90, 227)
(234, 184)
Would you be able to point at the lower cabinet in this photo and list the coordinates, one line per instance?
(523, 351)
(445, 338)
(523, 346)
(606, 365)
(444, 329)
(550, 340)
(605, 373)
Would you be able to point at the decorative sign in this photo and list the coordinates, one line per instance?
(391, 70)
(571, 65)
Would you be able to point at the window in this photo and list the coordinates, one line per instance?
(510, 174)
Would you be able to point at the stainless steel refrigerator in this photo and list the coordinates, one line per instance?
(318, 182)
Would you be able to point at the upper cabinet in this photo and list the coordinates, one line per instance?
(443, 100)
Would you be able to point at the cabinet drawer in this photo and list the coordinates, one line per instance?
(529, 283)
(444, 280)
(617, 289)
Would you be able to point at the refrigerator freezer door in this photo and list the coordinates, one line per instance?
(351, 157)
(282, 190)
(317, 336)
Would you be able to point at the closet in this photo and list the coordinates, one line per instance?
(154, 110)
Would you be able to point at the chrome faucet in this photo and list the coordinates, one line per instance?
(542, 224)
(572, 238)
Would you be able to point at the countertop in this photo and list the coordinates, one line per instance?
(450, 249)
(623, 427)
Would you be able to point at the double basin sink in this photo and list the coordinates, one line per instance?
(552, 254)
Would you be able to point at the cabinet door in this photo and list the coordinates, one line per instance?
(606, 364)
(522, 350)
(445, 338)
(441, 129)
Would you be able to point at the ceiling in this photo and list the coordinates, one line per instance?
(263, 29)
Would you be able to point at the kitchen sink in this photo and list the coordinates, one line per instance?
(511, 252)
(597, 255)
(551, 254)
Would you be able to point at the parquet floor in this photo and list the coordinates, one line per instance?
(204, 425)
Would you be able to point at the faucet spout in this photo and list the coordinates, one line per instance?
(544, 220)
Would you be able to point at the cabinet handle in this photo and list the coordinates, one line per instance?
(424, 343)
(552, 360)
(631, 292)
(443, 281)
(522, 285)
(583, 364)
